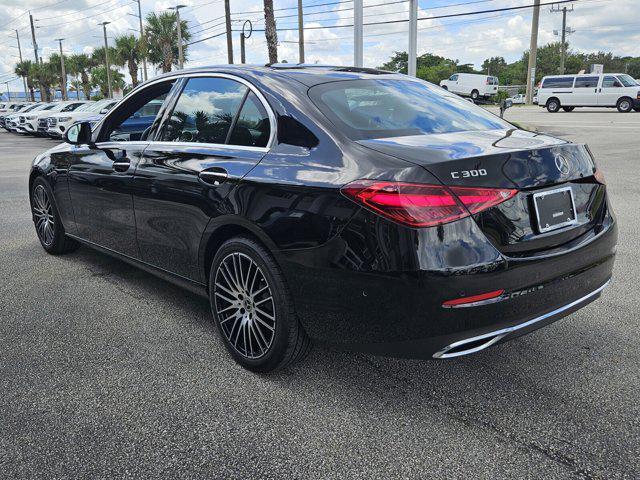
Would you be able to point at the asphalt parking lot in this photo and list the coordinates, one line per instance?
(108, 372)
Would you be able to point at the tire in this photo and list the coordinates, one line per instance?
(637, 109)
(46, 220)
(624, 105)
(445, 87)
(553, 105)
(568, 109)
(475, 94)
(253, 309)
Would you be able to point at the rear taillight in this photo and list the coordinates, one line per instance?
(420, 205)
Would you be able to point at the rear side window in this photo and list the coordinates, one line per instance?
(587, 82)
(205, 111)
(364, 109)
(252, 126)
(558, 82)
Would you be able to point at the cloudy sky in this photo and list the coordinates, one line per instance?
(611, 25)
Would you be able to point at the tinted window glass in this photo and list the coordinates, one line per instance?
(558, 82)
(386, 108)
(136, 125)
(204, 111)
(587, 82)
(627, 80)
(252, 128)
(611, 82)
(71, 107)
(453, 77)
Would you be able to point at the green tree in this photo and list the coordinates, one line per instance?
(24, 69)
(162, 39)
(81, 65)
(495, 66)
(46, 75)
(99, 79)
(54, 61)
(128, 53)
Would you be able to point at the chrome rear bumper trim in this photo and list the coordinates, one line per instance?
(495, 336)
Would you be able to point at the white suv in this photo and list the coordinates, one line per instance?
(610, 90)
(59, 123)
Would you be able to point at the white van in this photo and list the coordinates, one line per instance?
(589, 90)
(471, 85)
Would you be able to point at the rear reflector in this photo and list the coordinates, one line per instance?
(467, 301)
(420, 205)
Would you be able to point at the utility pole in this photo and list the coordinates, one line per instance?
(565, 30)
(106, 57)
(63, 76)
(33, 37)
(180, 53)
(357, 33)
(413, 37)
(8, 91)
(143, 41)
(24, 79)
(227, 21)
(533, 53)
(300, 32)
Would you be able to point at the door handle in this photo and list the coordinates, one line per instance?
(121, 165)
(214, 176)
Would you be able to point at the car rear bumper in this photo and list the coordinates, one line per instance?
(398, 310)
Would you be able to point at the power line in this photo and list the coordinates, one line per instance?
(111, 9)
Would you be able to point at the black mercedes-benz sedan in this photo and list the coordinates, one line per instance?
(357, 207)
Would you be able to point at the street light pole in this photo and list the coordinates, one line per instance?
(357, 33)
(180, 54)
(143, 40)
(300, 32)
(413, 37)
(106, 57)
(63, 77)
(8, 91)
(24, 79)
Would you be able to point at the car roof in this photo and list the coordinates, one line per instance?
(308, 75)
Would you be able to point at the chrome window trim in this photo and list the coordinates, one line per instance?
(178, 76)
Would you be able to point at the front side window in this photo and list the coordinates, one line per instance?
(627, 80)
(611, 82)
(587, 82)
(205, 111)
(133, 118)
(453, 78)
(558, 82)
(364, 109)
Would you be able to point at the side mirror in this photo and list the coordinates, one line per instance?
(78, 134)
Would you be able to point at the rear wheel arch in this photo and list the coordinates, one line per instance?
(215, 237)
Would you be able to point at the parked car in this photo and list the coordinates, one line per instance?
(11, 122)
(610, 90)
(10, 109)
(471, 85)
(42, 118)
(60, 122)
(518, 99)
(370, 210)
(28, 121)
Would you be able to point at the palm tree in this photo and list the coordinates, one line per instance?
(81, 64)
(99, 79)
(162, 39)
(47, 75)
(128, 53)
(23, 69)
(54, 61)
(270, 31)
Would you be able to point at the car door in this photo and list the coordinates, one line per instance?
(218, 129)
(585, 91)
(101, 175)
(610, 91)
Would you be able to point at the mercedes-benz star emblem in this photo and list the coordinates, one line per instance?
(562, 164)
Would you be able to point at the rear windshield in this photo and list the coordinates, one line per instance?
(558, 82)
(364, 109)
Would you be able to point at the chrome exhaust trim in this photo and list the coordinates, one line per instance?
(493, 337)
